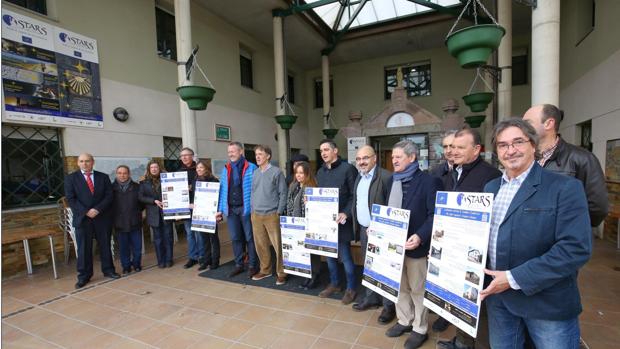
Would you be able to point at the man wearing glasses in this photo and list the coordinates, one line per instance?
(372, 186)
(540, 237)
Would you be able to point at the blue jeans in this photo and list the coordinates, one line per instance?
(506, 331)
(130, 246)
(163, 241)
(195, 243)
(240, 229)
(344, 251)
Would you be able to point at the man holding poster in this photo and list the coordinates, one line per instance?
(336, 173)
(415, 191)
(540, 237)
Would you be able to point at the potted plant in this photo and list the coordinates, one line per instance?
(479, 101)
(474, 121)
(196, 97)
(330, 133)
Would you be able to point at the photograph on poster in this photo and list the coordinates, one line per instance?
(438, 235)
(368, 263)
(433, 269)
(472, 277)
(287, 247)
(395, 265)
(474, 255)
(470, 293)
(436, 252)
(395, 248)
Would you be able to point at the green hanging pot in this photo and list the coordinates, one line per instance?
(286, 121)
(478, 102)
(330, 133)
(473, 45)
(475, 121)
(196, 97)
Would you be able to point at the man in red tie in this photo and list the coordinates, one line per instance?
(89, 194)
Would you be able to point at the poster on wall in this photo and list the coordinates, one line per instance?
(385, 251)
(457, 257)
(175, 195)
(49, 75)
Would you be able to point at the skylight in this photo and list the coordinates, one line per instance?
(374, 11)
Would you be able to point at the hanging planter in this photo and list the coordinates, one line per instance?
(478, 102)
(286, 121)
(473, 45)
(475, 121)
(196, 97)
(330, 133)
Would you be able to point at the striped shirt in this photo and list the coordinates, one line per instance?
(507, 191)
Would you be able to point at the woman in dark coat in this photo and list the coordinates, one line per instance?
(127, 213)
(150, 196)
(211, 240)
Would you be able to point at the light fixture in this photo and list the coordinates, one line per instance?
(121, 114)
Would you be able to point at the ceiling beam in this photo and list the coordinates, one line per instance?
(297, 8)
(452, 10)
(336, 38)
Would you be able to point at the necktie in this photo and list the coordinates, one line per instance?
(89, 182)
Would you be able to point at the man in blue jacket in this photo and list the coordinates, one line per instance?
(415, 191)
(234, 203)
(540, 237)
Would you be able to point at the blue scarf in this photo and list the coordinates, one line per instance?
(237, 167)
(405, 176)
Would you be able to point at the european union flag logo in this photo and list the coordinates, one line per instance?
(27, 40)
(77, 54)
(376, 209)
(442, 198)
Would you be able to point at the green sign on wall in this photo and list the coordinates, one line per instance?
(222, 133)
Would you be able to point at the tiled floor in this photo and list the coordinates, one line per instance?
(174, 308)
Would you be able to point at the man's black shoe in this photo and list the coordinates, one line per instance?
(252, 272)
(126, 271)
(363, 306)
(440, 325)
(190, 263)
(415, 340)
(238, 270)
(168, 264)
(137, 269)
(80, 284)
(452, 344)
(313, 283)
(161, 265)
(386, 316)
(397, 330)
(112, 275)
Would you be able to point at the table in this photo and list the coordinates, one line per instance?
(25, 234)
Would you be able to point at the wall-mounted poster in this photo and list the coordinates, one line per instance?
(49, 75)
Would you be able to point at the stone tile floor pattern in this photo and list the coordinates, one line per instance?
(174, 308)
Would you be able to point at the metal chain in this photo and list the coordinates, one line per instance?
(478, 75)
(487, 12)
(203, 74)
(459, 18)
(475, 14)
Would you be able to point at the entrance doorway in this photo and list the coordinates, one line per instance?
(383, 146)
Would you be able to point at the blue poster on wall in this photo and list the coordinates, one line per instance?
(49, 75)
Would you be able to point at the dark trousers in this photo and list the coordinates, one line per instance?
(130, 246)
(373, 297)
(240, 229)
(84, 236)
(163, 241)
(212, 248)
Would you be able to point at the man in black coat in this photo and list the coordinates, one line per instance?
(89, 194)
(444, 169)
(372, 186)
(336, 173)
(127, 219)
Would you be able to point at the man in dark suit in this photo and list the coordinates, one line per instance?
(372, 186)
(414, 190)
(540, 237)
(89, 194)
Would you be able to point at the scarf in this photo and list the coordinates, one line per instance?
(396, 193)
(124, 185)
(237, 167)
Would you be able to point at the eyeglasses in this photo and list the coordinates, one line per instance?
(518, 144)
(365, 158)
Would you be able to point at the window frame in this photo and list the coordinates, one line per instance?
(158, 30)
(407, 68)
(318, 92)
(246, 56)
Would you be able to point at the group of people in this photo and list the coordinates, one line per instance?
(540, 226)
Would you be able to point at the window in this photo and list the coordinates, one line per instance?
(245, 64)
(291, 89)
(172, 149)
(416, 79)
(586, 135)
(39, 6)
(318, 93)
(166, 34)
(32, 166)
(519, 70)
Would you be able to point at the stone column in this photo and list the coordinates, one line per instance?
(183, 26)
(504, 59)
(325, 79)
(279, 69)
(546, 53)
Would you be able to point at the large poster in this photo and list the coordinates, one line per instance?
(385, 252)
(49, 75)
(321, 216)
(175, 195)
(206, 196)
(457, 257)
(296, 257)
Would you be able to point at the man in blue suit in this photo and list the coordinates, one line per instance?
(540, 237)
(89, 194)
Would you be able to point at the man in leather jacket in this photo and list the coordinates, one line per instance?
(562, 157)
